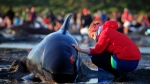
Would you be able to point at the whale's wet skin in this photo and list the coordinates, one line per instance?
(54, 59)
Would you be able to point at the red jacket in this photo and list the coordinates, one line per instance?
(115, 42)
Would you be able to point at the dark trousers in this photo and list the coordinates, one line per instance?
(104, 61)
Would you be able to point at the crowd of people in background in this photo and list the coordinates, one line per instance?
(80, 21)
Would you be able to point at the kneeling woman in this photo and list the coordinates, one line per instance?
(114, 51)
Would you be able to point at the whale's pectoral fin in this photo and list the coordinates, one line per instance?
(30, 77)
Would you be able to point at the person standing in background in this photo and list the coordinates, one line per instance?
(86, 18)
(10, 14)
(126, 19)
(25, 15)
(32, 15)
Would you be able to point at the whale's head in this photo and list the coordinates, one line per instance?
(60, 59)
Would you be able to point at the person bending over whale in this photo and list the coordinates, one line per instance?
(114, 51)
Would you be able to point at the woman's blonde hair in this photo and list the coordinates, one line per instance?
(90, 30)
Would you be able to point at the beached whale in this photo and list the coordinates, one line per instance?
(54, 58)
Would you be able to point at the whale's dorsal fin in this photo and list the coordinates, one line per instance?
(66, 23)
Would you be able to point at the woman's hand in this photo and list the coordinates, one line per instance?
(77, 47)
(87, 51)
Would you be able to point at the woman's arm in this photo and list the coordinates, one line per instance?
(87, 51)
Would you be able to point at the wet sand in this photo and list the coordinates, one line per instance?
(12, 68)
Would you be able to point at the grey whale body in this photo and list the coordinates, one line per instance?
(54, 58)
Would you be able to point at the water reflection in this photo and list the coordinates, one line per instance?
(93, 80)
(97, 80)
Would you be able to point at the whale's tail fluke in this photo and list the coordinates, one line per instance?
(66, 23)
